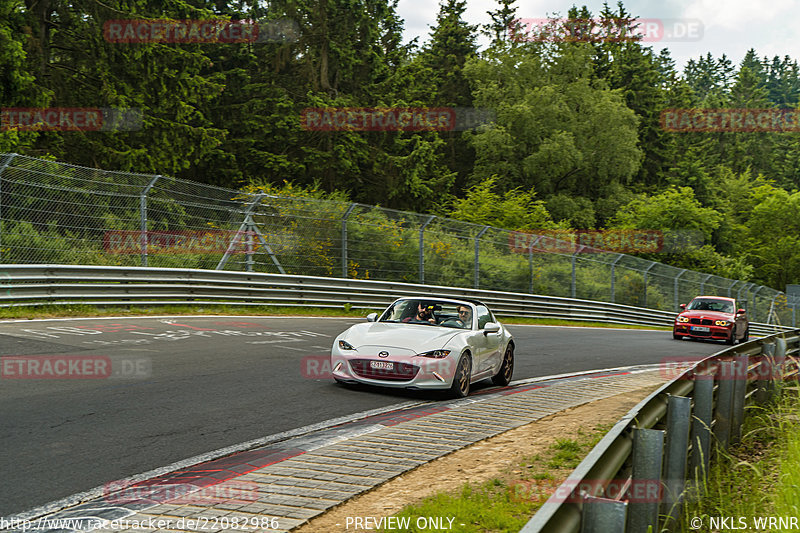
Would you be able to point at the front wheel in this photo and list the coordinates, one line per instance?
(460, 386)
(503, 376)
(733, 336)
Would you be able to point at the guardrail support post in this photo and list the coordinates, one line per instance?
(739, 390)
(765, 385)
(648, 454)
(344, 239)
(701, 431)
(601, 515)
(780, 358)
(679, 411)
(724, 379)
(477, 255)
(143, 217)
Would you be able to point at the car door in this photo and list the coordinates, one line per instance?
(489, 342)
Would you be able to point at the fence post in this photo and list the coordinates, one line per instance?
(679, 411)
(573, 283)
(648, 454)
(6, 161)
(613, 274)
(601, 515)
(703, 285)
(676, 287)
(530, 260)
(652, 264)
(143, 217)
(753, 311)
(244, 226)
(701, 430)
(422, 249)
(477, 255)
(344, 239)
(730, 287)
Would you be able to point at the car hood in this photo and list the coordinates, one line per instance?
(713, 315)
(400, 339)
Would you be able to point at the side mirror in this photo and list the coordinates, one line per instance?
(741, 311)
(491, 327)
(372, 317)
(683, 306)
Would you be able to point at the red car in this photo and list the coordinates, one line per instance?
(712, 317)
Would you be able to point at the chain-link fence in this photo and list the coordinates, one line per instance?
(57, 213)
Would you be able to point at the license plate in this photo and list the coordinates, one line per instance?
(700, 328)
(383, 365)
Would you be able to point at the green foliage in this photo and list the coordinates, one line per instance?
(515, 209)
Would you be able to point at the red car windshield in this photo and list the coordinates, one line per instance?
(707, 304)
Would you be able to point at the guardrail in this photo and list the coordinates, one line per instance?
(27, 285)
(675, 426)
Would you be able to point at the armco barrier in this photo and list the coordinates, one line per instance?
(26, 285)
(677, 427)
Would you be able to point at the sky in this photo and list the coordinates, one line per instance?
(728, 27)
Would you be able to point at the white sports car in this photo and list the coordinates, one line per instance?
(426, 343)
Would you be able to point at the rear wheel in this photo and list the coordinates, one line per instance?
(460, 386)
(746, 335)
(503, 376)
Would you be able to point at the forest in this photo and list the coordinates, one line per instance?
(577, 137)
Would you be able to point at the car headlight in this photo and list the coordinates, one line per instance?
(344, 345)
(683, 319)
(722, 323)
(435, 354)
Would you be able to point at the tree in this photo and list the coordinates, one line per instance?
(516, 209)
(557, 130)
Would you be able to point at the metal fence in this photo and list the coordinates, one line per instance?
(56, 213)
(657, 457)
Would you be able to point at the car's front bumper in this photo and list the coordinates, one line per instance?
(407, 373)
(714, 332)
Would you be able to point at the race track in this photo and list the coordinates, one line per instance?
(167, 389)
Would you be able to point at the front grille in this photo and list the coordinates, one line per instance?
(401, 371)
(704, 322)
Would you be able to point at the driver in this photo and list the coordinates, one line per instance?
(465, 316)
(424, 314)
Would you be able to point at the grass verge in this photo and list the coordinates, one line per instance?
(505, 503)
(78, 310)
(757, 479)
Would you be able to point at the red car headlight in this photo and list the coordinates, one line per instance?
(683, 319)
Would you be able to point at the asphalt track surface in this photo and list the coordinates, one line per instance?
(179, 387)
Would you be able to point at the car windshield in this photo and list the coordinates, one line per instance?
(708, 304)
(430, 312)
